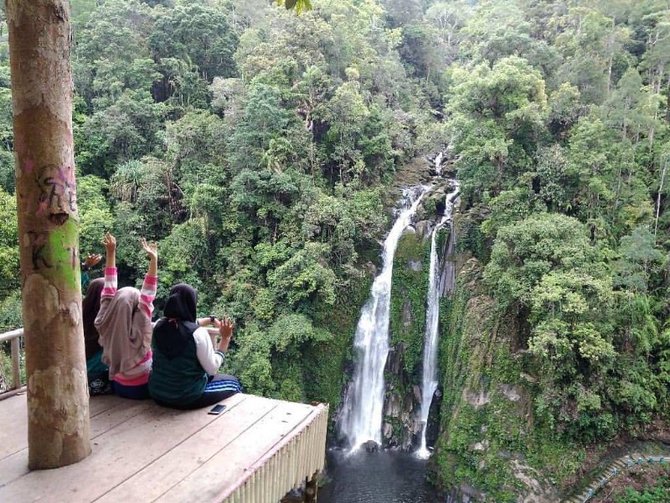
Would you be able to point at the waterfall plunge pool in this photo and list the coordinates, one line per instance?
(376, 477)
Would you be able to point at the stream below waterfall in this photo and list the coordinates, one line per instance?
(376, 477)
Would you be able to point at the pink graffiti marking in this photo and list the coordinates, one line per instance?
(65, 175)
(58, 192)
(42, 205)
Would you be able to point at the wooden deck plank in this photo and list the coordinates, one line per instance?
(14, 420)
(117, 454)
(117, 415)
(12, 406)
(15, 464)
(101, 403)
(13, 425)
(220, 473)
(164, 473)
(13, 467)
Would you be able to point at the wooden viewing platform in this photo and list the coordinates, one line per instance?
(256, 451)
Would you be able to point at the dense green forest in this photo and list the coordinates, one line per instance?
(258, 147)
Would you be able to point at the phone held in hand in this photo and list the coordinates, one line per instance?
(217, 409)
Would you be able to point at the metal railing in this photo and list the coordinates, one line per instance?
(14, 338)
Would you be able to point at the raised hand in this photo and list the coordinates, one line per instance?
(109, 242)
(150, 248)
(92, 260)
(152, 252)
(226, 331)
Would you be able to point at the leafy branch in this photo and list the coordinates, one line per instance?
(298, 5)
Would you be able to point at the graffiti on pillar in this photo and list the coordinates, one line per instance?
(38, 250)
(58, 196)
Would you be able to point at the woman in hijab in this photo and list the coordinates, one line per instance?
(185, 364)
(124, 325)
(97, 372)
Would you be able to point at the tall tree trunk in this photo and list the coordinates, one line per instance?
(58, 416)
(611, 59)
(658, 198)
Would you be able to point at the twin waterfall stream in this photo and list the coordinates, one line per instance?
(439, 283)
(362, 412)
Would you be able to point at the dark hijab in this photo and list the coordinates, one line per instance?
(89, 308)
(175, 329)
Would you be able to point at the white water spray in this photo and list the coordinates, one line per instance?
(436, 285)
(363, 407)
(438, 163)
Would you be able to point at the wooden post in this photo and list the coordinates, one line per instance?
(39, 48)
(311, 489)
(16, 366)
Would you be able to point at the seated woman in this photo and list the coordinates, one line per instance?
(124, 324)
(97, 372)
(185, 364)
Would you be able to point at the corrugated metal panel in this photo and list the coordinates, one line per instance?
(296, 459)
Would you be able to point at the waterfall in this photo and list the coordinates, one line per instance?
(438, 163)
(437, 285)
(362, 412)
(448, 277)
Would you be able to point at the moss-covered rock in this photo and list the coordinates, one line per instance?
(406, 338)
(408, 298)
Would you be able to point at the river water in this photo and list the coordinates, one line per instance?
(377, 477)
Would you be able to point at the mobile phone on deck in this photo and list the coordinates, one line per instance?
(217, 409)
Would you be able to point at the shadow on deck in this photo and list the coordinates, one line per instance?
(257, 450)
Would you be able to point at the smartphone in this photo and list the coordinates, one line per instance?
(217, 409)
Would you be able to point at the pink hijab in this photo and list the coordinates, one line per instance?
(125, 332)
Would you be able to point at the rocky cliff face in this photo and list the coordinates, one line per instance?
(490, 447)
(403, 398)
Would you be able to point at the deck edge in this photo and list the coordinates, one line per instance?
(297, 457)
